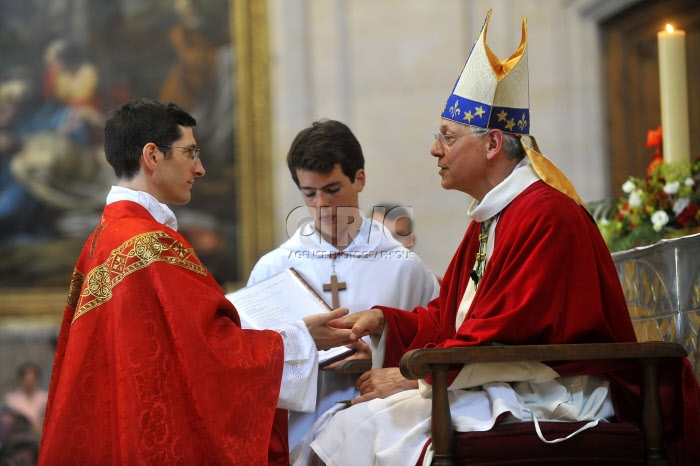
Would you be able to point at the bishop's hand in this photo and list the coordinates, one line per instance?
(324, 335)
(381, 383)
(368, 322)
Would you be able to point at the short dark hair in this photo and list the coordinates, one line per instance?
(136, 123)
(322, 145)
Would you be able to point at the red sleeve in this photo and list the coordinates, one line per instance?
(431, 325)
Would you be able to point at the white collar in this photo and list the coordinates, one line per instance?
(370, 237)
(499, 197)
(160, 212)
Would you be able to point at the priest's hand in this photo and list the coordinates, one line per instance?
(362, 351)
(381, 383)
(325, 336)
(369, 322)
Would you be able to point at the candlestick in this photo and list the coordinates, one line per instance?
(674, 95)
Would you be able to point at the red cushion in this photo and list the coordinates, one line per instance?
(607, 443)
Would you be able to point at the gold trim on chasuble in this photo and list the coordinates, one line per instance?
(87, 293)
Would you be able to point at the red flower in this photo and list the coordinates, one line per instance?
(688, 215)
(655, 161)
(654, 138)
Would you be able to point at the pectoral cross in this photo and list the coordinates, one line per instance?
(334, 286)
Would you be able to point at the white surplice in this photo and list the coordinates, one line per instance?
(393, 431)
(376, 269)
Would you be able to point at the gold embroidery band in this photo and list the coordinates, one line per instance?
(76, 284)
(135, 254)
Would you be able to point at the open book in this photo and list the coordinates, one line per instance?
(282, 298)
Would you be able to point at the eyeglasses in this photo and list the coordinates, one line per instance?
(441, 137)
(193, 152)
(448, 141)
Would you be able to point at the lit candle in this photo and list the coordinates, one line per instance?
(674, 95)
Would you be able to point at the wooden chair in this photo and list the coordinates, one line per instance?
(644, 446)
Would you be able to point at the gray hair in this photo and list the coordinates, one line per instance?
(511, 144)
(513, 147)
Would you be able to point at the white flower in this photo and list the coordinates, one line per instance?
(628, 187)
(604, 221)
(680, 205)
(635, 199)
(672, 187)
(689, 182)
(659, 219)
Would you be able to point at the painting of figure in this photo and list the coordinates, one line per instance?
(66, 64)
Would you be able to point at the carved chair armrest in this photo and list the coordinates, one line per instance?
(418, 364)
(353, 366)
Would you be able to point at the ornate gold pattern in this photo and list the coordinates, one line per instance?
(648, 302)
(522, 123)
(135, 254)
(76, 284)
(481, 255)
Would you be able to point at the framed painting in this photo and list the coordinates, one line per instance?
(66, 63)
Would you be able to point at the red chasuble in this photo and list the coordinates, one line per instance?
(152, 366)
(550, 280)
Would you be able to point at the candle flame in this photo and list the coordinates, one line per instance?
(669, 28)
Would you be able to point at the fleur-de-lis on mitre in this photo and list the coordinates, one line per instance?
(454, 110)
(522, 123)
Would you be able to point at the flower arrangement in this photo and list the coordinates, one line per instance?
(664, 204)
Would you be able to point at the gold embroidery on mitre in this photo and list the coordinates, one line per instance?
(135, 254)
(522, 123)
(76, 284)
